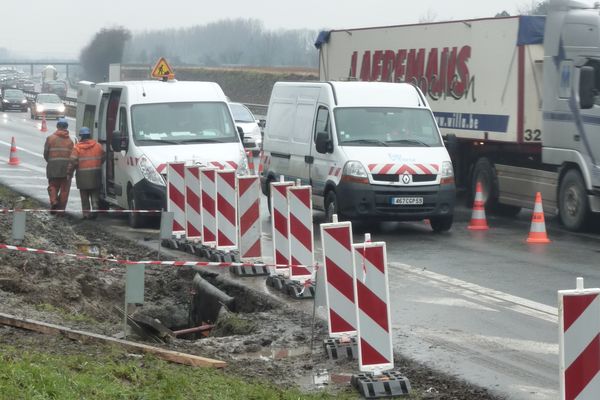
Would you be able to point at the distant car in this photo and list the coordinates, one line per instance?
(48, 104)
(57, 87)
(26, 85)
(13, 99)
(250, 125)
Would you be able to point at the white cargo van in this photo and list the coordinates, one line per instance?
(370, 150)
(143, 125)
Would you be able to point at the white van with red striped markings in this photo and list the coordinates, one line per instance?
(143, 125)
(370, 150)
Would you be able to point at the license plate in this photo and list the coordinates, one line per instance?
(407, 201)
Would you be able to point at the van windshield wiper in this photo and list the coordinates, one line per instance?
(203, 140)
(365, 141)
(414, 141)
(159, 141)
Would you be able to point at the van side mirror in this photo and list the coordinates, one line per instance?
(323, 143)
(119, 142)
(587, 87)
(240, 132)
(262, 123)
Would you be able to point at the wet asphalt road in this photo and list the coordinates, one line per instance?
(482, 306)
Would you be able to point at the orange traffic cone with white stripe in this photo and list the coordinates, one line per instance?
(537, 233)
(250, 156)
(44, 127)
(478, 221)
(13, 159)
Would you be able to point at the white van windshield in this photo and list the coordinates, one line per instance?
(385, 126)
(181, 123)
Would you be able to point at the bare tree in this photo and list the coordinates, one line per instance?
(105, 48)
(535, 7)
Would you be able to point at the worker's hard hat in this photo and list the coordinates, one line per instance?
(84, 132)
(62, 123)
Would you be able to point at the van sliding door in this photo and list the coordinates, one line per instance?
(111, 123)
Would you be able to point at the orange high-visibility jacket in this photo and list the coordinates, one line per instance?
(87, 158)
(57, 150)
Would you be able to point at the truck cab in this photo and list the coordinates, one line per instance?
(143, 125)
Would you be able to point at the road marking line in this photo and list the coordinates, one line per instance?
(483, 294)
(22, 149)
(26, 165)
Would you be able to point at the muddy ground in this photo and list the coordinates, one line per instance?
(265, 340)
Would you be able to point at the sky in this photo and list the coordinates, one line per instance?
(61, 28)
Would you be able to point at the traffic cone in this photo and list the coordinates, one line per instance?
(250, 156)
(44, 127)
(13, 159)
(537, 233)
(260, 163)
(478, 221)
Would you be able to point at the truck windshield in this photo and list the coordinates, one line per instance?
(394, 127)
(180, 123)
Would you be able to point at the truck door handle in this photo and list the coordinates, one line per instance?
(576, 138)
(309, 159)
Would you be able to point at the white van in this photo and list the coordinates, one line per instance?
(143, 125)
(370, 150)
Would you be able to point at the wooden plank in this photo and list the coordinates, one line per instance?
(51, 329)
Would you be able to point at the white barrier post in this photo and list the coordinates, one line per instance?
(248, 195)
(226, 210)
(193, 227)
(579, 342)
(208, 185)
(176, 196)
(375, 351)
(338, 263)
(279, 223)
(300, 228)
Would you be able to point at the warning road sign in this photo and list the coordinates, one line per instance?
(162, 69)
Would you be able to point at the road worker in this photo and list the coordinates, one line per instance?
(87, 158)
(57, 150)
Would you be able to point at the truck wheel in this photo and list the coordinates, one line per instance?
(331, 206)
(484, 173)
(441, 224)
(134, 219)
(573, 204)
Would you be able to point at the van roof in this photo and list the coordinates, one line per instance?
(169, 92)
(369, 94)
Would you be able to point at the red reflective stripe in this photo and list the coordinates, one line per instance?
(175, 195)
(341, 235)
(179, 168)
(253, 251)
(582, 370)
(372, 167)
(372, 305)
(574, 306)
(177, 226)
(296, 270)
(192, 230)
(226, 209)
(424, 168)
(224, 240)
(386, 168)
(374, 255)
(370, 355)
(300, 232)
(280, 223)
(209, 236)
(229, 178)
(244, 185)
(303, 195)
(280, 259)
(339, 279)
(193, 199)
(208, 203)
(338, 324)
(250, 217)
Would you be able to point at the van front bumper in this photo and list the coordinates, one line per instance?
(150, 196)
(359, 201)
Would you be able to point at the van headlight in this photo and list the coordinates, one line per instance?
(149, 172)
(447, 173)
(354, 172)
(242, 169)
(39, 108)
(61, 108)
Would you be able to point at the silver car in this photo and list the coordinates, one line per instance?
(250, 125)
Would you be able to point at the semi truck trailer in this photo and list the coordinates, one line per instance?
(516, 99)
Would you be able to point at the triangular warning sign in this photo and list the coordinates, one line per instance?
(162, 69)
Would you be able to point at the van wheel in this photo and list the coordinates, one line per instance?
(134, 219)
(441, 224)
(573, 201)
(331, 206)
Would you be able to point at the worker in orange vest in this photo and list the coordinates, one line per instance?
(57, 150)
(87, 158)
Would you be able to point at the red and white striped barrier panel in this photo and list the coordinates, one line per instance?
(176, 195)
(193, 227)
(279, 223)
(399, 169)
(338, 259)
(224, 164)
(300, 228)
(145, 262)
(208, 187)
(226, 210)
(371, 290)
(579, 342)
(248, 197)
